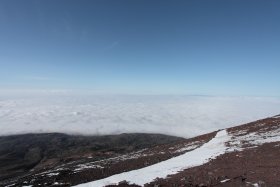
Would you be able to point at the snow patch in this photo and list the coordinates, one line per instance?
(226, 180)
(254, 139)
(87, 166)
(52, 174)
(199, 156)
(278, 116)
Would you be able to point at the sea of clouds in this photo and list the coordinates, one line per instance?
(184, 116)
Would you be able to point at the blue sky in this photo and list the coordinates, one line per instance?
(141, 47)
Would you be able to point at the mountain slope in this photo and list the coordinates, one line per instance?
(245, 155)
(252, 159)
(23, 155)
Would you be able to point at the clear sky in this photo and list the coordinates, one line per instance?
(209, 47)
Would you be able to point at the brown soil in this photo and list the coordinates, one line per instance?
(248, 165)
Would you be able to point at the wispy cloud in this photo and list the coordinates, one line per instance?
(38, 78)
(113, 45)
(22, 93)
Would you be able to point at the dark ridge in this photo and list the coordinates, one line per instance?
(21, 153)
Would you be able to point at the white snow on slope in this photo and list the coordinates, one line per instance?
(278, 116)
(199, 156)
(254, 139)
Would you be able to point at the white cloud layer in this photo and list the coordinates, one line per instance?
(184, 116)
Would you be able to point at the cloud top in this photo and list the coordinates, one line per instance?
(184, 116)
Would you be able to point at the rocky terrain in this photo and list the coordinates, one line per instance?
(245, 155)
(24, 155)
